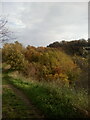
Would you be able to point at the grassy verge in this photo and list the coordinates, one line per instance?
(13, 106)
(55, 102)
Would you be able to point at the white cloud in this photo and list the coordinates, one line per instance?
(42, 23)
(16, 23)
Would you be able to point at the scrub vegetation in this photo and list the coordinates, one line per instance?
(50, 77)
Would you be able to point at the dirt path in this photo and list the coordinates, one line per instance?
(33, 110)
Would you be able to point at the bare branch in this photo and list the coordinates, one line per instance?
(5, 34)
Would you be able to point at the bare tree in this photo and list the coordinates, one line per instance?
(5, 33)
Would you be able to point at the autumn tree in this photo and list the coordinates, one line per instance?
(13, 55)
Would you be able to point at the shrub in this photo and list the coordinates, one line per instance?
(13, 55)
(43, 63)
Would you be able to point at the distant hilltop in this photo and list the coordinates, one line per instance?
(74, 47)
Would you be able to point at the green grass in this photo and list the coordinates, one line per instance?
(13, 106)
(53, 101)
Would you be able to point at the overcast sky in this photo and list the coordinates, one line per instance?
(40, 24)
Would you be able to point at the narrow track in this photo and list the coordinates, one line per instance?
(34, 112)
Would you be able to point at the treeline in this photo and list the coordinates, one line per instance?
(79, 54)
(75, 47)
(45, 63)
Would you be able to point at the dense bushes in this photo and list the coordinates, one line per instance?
(83, 64)
(13, 55)
(51, 64)
(43, 63)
